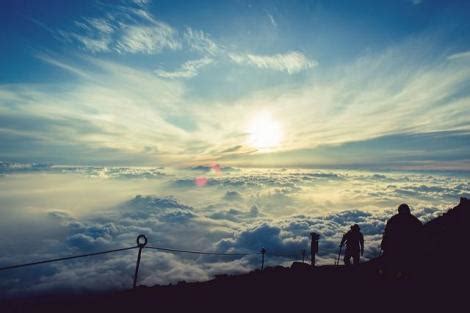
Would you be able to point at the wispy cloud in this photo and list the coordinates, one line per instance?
(141, 2)
(345, 103)
(159, 115)
(127, 30)
(135, 30)
(460, 55)
(291, 62)
(199, 41)
(272, 20)
(149, 40)
(187, 70)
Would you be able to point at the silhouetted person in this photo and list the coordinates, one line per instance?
(314, 246)
(354, 241)
(402, 241)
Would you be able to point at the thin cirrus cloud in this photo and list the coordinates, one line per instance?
(187, 70)
(137, 113)
(291, 62)
(460, 55)
(135, 30)
(199, 41)
(160, 113)
(127, 30)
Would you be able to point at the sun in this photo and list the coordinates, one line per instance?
(264, 132)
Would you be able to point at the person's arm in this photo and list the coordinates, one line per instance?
(383, 244)
(343, 240)
(362, 244)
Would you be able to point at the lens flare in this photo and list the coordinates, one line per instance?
(200, 181)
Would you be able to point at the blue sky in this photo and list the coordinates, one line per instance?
(256, 83)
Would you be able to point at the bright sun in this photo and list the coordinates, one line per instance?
(264, 131)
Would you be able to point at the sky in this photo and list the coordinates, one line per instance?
(223, 126)
(376, 84)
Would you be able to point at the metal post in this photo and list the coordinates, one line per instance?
(313, 246)
(141, 245)
(303, 256)
(263, 251)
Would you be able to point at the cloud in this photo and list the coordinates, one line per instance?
(196, 219)
(458, 56)
(232, 196)
(120, 107)
(135, 30)
(149, 40)
(199, 41)
(7, 167)
(187, 70)
(264, 235)
(141, 2)
(124, 30)
(291, 62)
(272, 20)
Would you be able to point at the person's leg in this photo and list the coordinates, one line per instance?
(347, 259)
(356, 258)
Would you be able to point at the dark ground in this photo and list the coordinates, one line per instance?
(438, 281)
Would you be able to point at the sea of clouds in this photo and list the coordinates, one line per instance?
(53, 211)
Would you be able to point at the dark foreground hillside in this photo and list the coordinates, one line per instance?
(438, 281)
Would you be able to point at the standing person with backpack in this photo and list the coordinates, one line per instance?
(402, 242)
(354, 241)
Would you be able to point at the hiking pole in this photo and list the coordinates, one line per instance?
(339, 255)
(263, 252)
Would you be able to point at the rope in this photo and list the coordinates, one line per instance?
(199, 252)
(147, 247)
(64, 258)
(223, 254)
(293, 257)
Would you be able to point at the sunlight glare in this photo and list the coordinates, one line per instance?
(264, 132)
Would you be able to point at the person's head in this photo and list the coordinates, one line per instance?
(315, 236)
(404, 209)
(355, 227)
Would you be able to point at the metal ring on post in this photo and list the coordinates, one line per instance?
(141, 244)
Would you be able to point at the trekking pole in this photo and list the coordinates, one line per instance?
(263, 252)
(339, 255)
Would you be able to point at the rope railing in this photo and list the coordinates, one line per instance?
(142, 244)
(200, 252)
(64, 258)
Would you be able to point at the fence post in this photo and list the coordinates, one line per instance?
(141, 245)
(303, 256)
(263, 252)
